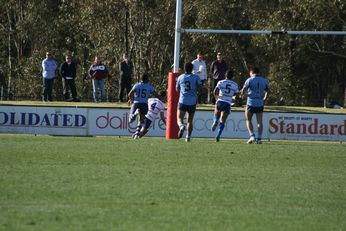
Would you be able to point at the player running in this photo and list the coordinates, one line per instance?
(156, 107)
(187, 85)
(139, 95)
(256, 87)
(224, 92)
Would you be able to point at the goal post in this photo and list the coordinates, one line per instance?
(173, 97)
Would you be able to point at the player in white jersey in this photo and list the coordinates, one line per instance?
(224, 92)
(156, 107)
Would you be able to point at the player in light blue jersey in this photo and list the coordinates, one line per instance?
(139, 95)
(187, 85)
(256, 87)
(224, 92)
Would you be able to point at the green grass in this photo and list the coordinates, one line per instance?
(107, 183)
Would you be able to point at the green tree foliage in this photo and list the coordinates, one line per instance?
(303, 70)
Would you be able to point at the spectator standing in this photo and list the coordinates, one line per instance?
(68, 70)
(224, 92)
(218, 70)
(187, 85)
(200, 69)
(98, 72)
(125, 69)
(49, 69)
(256, 87)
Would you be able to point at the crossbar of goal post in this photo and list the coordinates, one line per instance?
(172, 99)
(264, 32)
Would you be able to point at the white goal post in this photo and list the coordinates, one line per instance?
(172, 99)
(179, 30)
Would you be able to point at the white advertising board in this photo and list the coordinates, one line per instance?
(301, 126)
(115, 122)
(43, 120)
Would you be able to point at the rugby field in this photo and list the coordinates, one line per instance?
(112, 183)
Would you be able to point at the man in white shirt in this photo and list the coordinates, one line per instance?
(200, 69)
(49, 71)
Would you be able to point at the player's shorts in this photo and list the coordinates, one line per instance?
(187, 108)
(223, 106)
(143, 107)
(147, 123)
(254, 110)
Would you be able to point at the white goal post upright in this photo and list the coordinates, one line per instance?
(172, 127)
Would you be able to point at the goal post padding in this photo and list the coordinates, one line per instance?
(172, 104)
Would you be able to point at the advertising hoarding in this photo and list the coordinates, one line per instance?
(115, 122)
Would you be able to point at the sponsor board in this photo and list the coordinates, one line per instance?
(295, 126)
(43, 120)
(115, 122)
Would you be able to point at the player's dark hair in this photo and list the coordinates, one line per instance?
(229, 74)
(162, 94)
(145, 78)
(188, 67)
(255, 70)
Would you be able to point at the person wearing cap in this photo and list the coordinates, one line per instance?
(49, 68)
(200, 69)
(125, 70)
(218, 70)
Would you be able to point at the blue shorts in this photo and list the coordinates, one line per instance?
(143, 107)
(187, 108)
(223, 106)
(254, 110)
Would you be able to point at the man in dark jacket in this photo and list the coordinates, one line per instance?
(68, 71)
(218, 70)
(125, 69)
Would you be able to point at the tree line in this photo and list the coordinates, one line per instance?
(302, 70)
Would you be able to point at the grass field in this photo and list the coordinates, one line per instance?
(108, 183)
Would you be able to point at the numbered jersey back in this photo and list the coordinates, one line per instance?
(142, 92)
(187, 84)
(227, 88)
(155, 107)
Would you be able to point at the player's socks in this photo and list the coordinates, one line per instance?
(187, 139)
(259, 139)
(138, 129)
(188, 136)
(132, 118)
(181, 131)
(214, 125)
(216, 118)
(219, 132)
